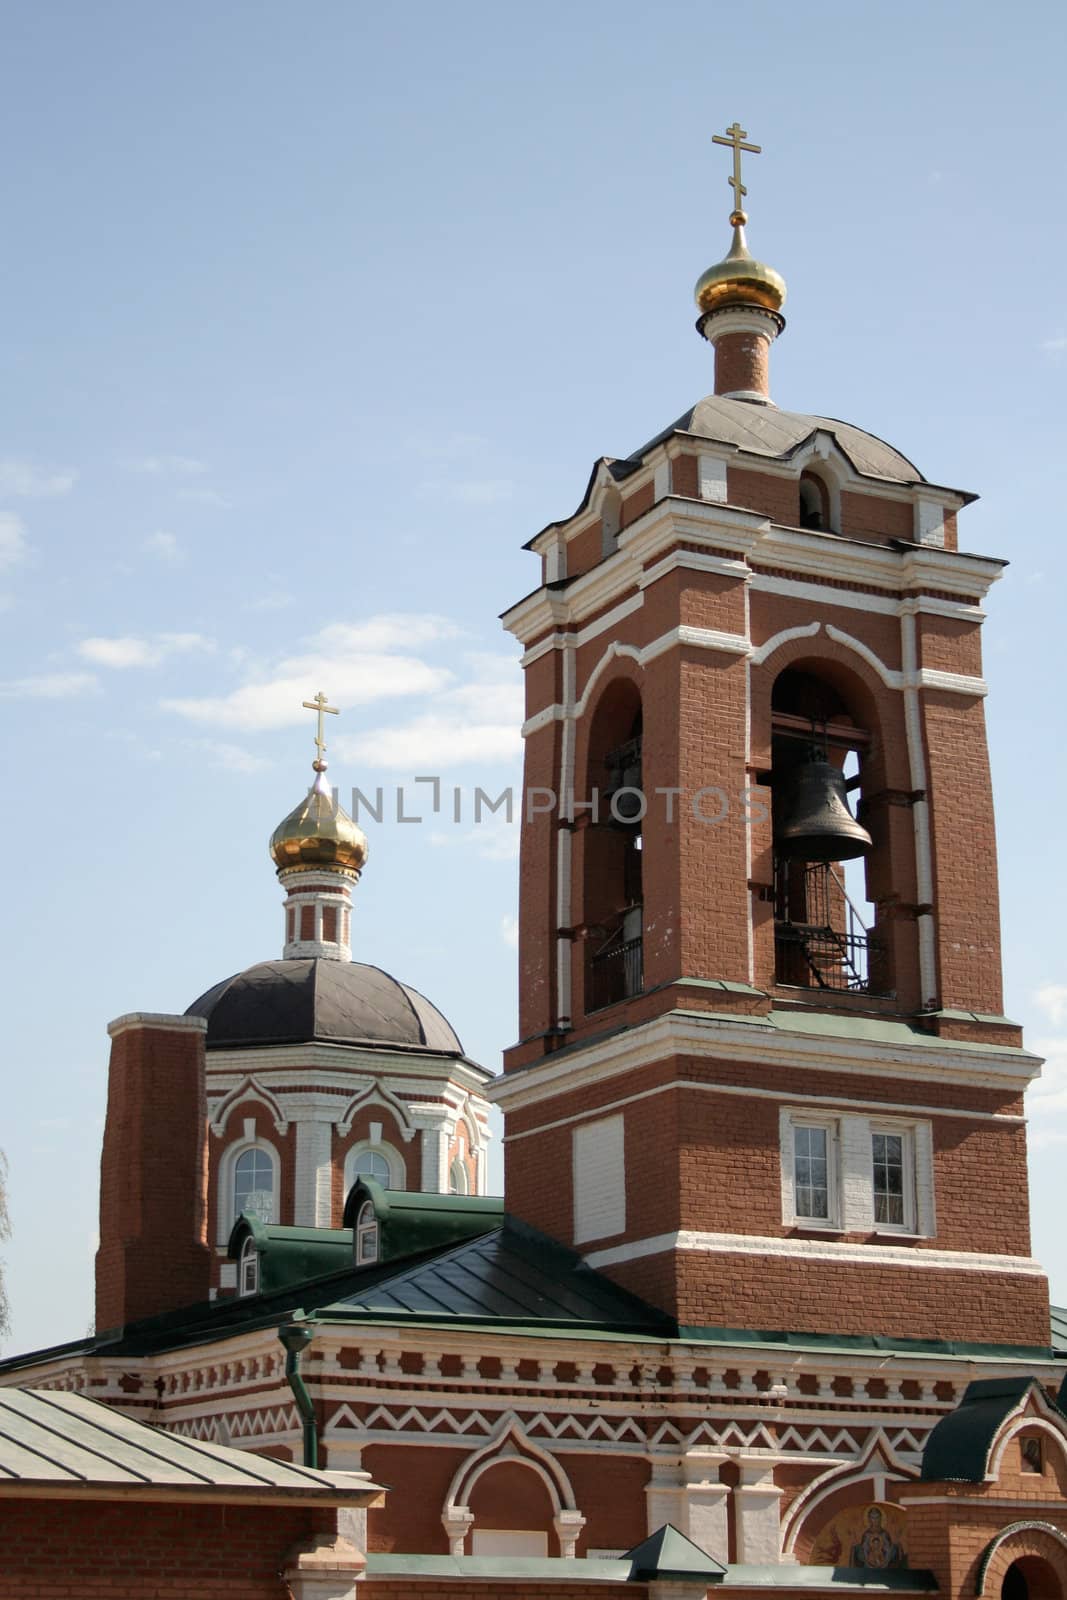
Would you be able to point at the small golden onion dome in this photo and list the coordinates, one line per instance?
(740, 280)
(319, 833)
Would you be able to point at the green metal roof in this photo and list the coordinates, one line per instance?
(1058, 1318)
(957, 1450)
(410, 1221)
(667, 1553)
(512, 1274)
(53, 1440)
(289, 1256)
(578, 1570)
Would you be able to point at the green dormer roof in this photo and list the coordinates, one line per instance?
(410, 1222)
(288, 1256)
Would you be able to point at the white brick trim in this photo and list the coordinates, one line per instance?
(825, 1250)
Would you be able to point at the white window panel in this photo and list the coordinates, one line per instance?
(599, 1166)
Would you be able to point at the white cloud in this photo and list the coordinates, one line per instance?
(128, 651)
(167, 466)
(1052, 998)
(1056, 346)
(357, 664)
(34, 483)
(509, 931)
(165, 546)
(466, 723)
(13, 545)
(48, 686)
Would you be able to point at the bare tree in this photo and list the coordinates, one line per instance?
(5, 1233)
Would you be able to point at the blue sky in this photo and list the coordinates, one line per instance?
(311, 316)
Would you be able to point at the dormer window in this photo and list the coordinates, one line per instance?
(366, 1235)
(248, 1268)
(814, 503)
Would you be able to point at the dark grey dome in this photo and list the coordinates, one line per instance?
(340, 1002)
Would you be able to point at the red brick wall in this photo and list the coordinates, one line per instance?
(68, 1550)
(153, 1253)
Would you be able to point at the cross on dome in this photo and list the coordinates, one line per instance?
(735, 139)
(322, 706)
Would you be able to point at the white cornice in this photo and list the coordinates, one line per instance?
(159, 1021)
(806, 558)
(814, 1250)
(337, 1064)
(750, 1040)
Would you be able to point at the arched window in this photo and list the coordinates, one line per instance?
(378, 1161)
(612, 893)
(254, 1185)
(814, 503)
(366, 1235)
(458, 1180)
(248, 1268)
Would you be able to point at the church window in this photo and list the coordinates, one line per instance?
(372, 1164)
(814, 503)
(887, 1160)
(458, 1182)
(253, 1185)
(366, 1235)
(248, 1269)
(811, 1172)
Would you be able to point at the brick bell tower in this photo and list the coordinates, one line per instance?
(763, 1078)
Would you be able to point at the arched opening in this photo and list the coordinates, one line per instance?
(610, 519)
(612, 879)
(1031, 1578)
(826, 934)
(248, 1268)
(458, 1179)
(814, 503)
(513, 1512)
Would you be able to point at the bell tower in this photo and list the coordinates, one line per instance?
(763, 1077)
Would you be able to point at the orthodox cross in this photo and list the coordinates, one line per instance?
(322, 706)
(735, 138)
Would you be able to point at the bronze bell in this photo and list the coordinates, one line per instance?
(816, 824)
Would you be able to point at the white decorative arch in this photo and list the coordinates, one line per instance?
(1031, 1526)
(891, 679)
(376, 1093)
(878, 1464)
(249, 1088)
(808, 631)
(227, 1163)
(398, 1178)
(511, 1443)
(1029, 1420)
(614, 651)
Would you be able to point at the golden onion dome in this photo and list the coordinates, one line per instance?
(739, 279)
(319, 833)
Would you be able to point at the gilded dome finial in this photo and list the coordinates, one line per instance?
(739, 280)
(319, 832)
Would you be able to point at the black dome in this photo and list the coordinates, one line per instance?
(341, 1002)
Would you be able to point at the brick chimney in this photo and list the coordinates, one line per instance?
(153, 1254)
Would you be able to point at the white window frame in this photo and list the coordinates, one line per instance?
(851, 1155)
(459, 1181)
(366, 1239)
(248, 1268)
(790, 1121)
(227, 1172)
(392, 1158)
(905, 1132)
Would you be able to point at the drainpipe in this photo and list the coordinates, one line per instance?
(296, 1336)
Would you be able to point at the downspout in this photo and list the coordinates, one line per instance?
(296, 1336)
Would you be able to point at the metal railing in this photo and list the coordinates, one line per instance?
(614, 974)
(828, 945)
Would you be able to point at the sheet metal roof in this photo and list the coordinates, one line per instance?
(49, 1439)
(513, 1274)
(293, 1002)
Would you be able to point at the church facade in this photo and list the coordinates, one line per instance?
(762, 1270)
